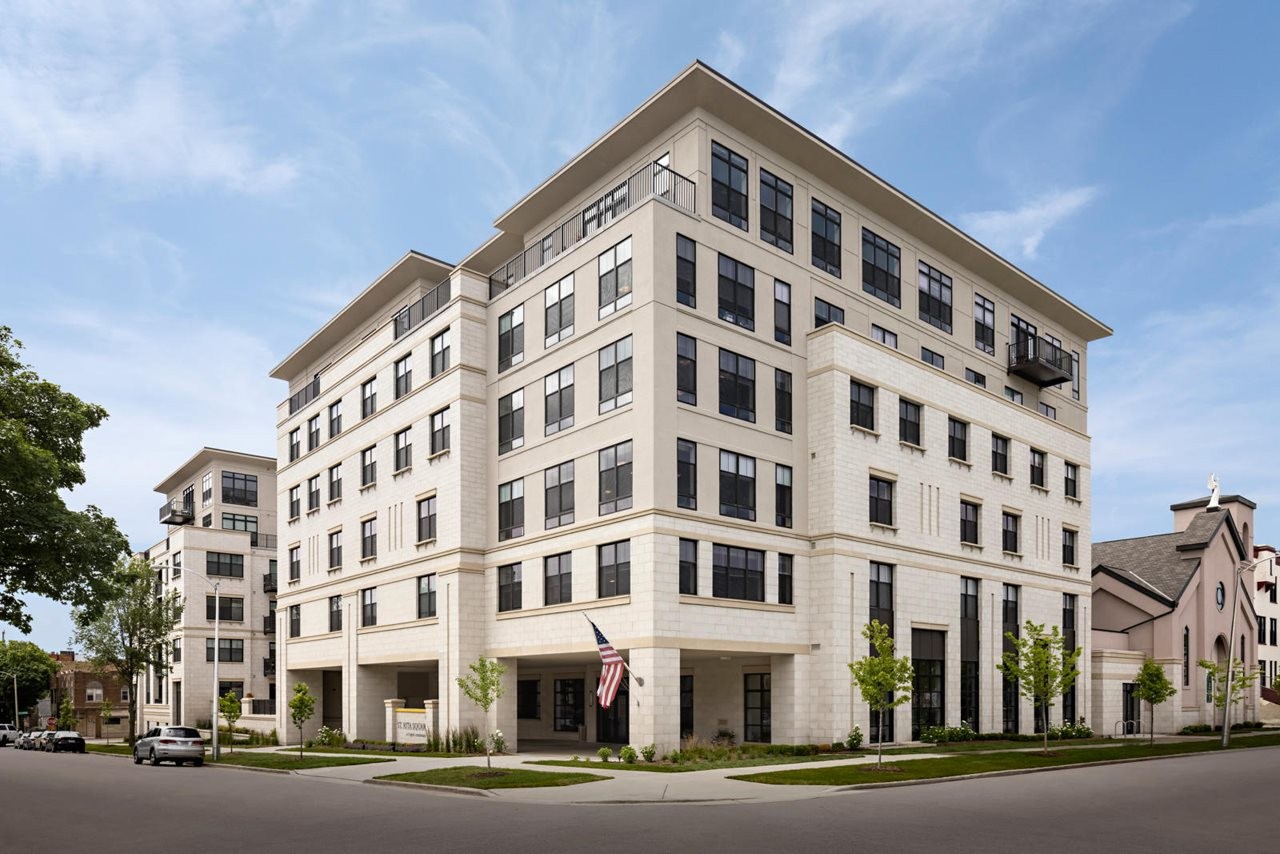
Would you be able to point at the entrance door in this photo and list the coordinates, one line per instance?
(1132, 710)
(331, 704)
(928, 657)
(614, 723)
(757, 699)
(686, 705)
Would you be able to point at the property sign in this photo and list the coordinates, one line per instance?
(411, 728)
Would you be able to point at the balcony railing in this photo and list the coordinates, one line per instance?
(652, 181)
(1040, 361)
(424, 309)
(268, 669)
(263, 707)
(305, 395)
(262, 541)
(269, 583)
(269, 624)
(177, 512)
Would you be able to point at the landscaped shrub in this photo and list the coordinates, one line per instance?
(649, 751)
(466, 740)
(725, 736)
(604, 753)
(946, 734)
(628, 754)
(853, 740)
(1194, 729)
(326, 737)
(498, 742)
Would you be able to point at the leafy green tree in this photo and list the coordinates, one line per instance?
(484, 688)
(1042, 668)
(302, 707)
(130, 632)
(883, 680)
(1242, 679)
(229, 707)
(47, 549)
(35, 670)
(105, 708)
(66, 714)
(1154, 688)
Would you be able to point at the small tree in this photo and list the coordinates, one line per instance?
(484, 688)
(66, 714)
(229, 708)
(302, 707)
(1041, 667)
(1154, 687)
(884, 681)
(105, 708)
(1242, 679)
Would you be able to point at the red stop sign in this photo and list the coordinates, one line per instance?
(51, 722)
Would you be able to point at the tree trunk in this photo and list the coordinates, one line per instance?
(133, 714)
(880, 742)
(1152, 728)
(300, 742)
(487, 760)
(1045, 719)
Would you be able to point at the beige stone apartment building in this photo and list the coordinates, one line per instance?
(220, 515)
(1267, 606)
(721, 390)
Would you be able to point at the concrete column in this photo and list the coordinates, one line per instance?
(503, 715)
(314, 680)
(246, 706)
(458, 599)
(371, 685)
(391, 707)
(789, 704)
(655, 706)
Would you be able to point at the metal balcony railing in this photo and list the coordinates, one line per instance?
(424, 309)
(270, 583)
(1040, 361)
(262, 541)
(269, 624)
(652, 181)
(177, 512)
(268, 669)
(263, 707)
(305, 395)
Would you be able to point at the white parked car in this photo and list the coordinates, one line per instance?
(8, 734)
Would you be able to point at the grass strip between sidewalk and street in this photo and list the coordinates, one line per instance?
(115, 749)
(678, 768)
(994, 744)
(958, 766)
(291, 762)
(476, 777)
(399, 754)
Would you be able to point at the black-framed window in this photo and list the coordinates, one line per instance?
(568, 709)
(908, 421)
(295, 621)
(689, 567)
(558, 310)
(737, 486)
(686, 474)
(881, 501)
(984, 324)
(243, 522)
(782, 398)
(557, 579)
(686, 369)
(426, 519)
(957, 439)
(970, 685)
(1069, 546)
(686, 271)
(728, 186)
(511, 421)
(613, 569)
(557, 391)
(404, 376)
(368, 466)
(440, 353)
(776, 214)
(686, 705)
(737, 573)
(824, 313)
(786, 579)
(757, 712)
(1048, 411)
(528, 699)
(737, 386)
(335, 482)
(969, 514)
(335, 549)
(1186, 657)
(880, 335)
(335, 418)
(1009, 687)
(615, 478)
(369, 538)
(1037, 467)
(1009, 527)
(229, 649)
(1069, 645)
(511, 338)
(1020, 330)
(509, 587)
(335, 613)
(224, 565)
(999, 454)
(615, 374)
(206, 490)
(426, 596)
(929, 357)
(781, 312)
(230, 608)
(295, 443)
(175, 651)
(295, 563)
(313, 500)
(313, 432)
(881, 268)
(369, 606)
(1075, 375)
(511, 509)
(826, 237)
(368, 397)
(976, 378)
(782, 497)
(1013, 394)
(935, 297)
(736, 292)
(1071, 480)
(862, 405)
(403, 444)
(614, 268)
(440, 431)
(558, 495)
(295, 501)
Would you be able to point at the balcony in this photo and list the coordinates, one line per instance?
(1039, 361)
(269, 624)
(262, 707)
(269, 583)
(652, 181)
(268, 669)
(305, 395)
(177, 512)
(424, 309)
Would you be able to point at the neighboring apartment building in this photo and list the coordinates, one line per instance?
(1268, 610)
(1169, 597)
(689, 391)
(88, 690)
(220, 513)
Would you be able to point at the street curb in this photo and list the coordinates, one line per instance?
(248, 768)
(453, 790)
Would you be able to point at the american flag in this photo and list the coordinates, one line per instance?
(611, 673)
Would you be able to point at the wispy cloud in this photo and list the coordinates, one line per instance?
(728, 54)
(1022, 229)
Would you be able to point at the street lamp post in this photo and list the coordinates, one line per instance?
(217, 621)
(1241, 569)
(15, 696)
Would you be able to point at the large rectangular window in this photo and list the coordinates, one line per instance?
(403, 444)
(404, 376)
(686, 474)
(824, 313)
(313, 432)
(558, 304)
(781, 312)
(613, 569)
(335, 482)
(440, 431)
(295, 502)
(1009, 525)
(529, 699)
(335, 549)
(689, 567)
(881, 498)
(935, 297)
(511, 421)
(295, 621)
(686, 271)
(224, 565)
(557, 389)
(686, 369)
(1068, 547)
(615, 375)
(569, 696)
(984, 324)
(440, 353)
(728, 186)
(227, 608)
(737, 486)
(1009, 687)
(782, 400)
(1037, 467)
(426, 519)
(295, 444)
(957, 439)
(509, 595)
(757, 711)
(862, 405)
(557, 579)
(615, 478)
(229, 649)
(737, 573)
(736, 290)
(368, 466)
(614, 267)
(928, 682)
(999, 454)
(239, 488)
(881, 268)
(776, 214)
(786, 579)
(782, 500)
(368, 397)
(881, 610)
(1071, 480)
(929, 357)
(335, 418)
(369, 606)
(295, 563)
(558, 495)
(369, 538)
(335, 613)
(511, 510)
(908, 422)
(511, 338)
(826, 238)
(737, 386)
(970, 684)
(1069, 645)
(426, 596)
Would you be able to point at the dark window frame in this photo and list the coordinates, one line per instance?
(777, 211)
(824, 237)
(729, 185)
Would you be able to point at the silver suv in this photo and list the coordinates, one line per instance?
(176, 744)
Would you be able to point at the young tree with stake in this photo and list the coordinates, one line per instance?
(302, 707)
(1242, 679)
(1154, 687)
(1041, 667)
(229, 707)
(884, 681)
(484, 688)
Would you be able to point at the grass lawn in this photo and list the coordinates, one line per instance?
(952, 766)
(291, 762)
(708, 765)
(475, 777)
(401, 754)
(975, 746)
(118, 749)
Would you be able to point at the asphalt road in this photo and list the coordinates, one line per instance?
(67, 802)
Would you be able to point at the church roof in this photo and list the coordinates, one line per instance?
(1162, 565)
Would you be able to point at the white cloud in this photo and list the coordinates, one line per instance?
(728, 54)
(1023, 229)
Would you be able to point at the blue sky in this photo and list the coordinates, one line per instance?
(187, 191)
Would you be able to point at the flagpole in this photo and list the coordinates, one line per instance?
(639, 679)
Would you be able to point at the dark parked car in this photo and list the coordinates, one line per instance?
(64, 741)
(176, 744)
